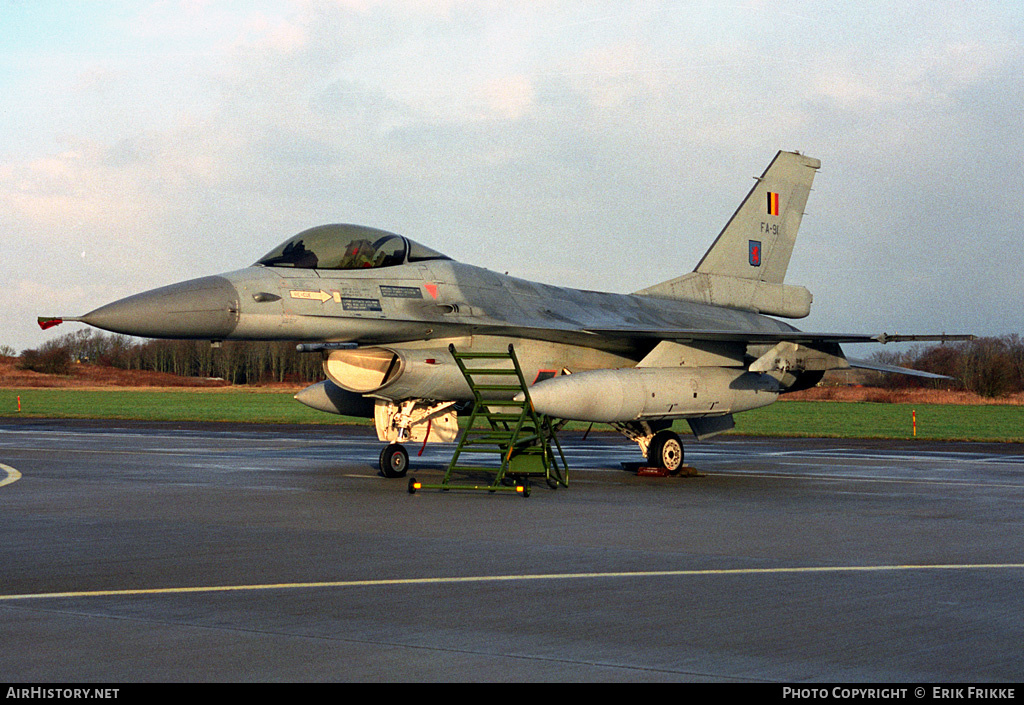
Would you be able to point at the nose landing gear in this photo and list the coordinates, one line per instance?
(394, 460)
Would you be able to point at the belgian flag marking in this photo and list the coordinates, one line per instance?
(773, 203)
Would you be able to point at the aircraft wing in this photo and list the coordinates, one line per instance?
(794, 336)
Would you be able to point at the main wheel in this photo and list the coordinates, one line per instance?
(394, 460)
(666, 451)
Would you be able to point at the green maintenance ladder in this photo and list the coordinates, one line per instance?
(520, 436)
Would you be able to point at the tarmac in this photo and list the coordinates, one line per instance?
(142, 552)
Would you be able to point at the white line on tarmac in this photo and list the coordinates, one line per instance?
(516, 578)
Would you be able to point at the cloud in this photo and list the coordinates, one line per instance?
(933, 74)
(196, 135)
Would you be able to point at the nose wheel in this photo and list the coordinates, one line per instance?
(394, 460)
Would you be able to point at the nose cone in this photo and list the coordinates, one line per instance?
(205, 308)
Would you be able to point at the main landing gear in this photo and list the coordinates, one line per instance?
(666, 451)
(394, 460)
(660, 445)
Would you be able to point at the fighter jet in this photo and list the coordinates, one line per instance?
(382, 310)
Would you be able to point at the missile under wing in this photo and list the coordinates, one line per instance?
(382, 310)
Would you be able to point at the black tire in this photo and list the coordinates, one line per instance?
(666, 451)
(394, 461)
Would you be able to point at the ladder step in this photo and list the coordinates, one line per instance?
(522, 444)
(481, 356)
(484, 372)
(526, 435)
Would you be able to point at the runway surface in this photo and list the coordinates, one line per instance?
(162, 552)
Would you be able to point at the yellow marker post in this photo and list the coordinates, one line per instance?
(913, 416)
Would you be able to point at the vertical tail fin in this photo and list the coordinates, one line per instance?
(746, 264)
(758, 240)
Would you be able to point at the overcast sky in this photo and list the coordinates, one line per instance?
(599, 145)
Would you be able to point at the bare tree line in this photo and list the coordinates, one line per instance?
(990, 367)
(237, 362)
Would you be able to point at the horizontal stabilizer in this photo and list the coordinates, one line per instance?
(893, 369)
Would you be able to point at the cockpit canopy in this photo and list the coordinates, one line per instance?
(347, 247)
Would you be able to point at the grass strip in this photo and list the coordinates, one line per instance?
(237, 406)
(818, 419)
(824, 419)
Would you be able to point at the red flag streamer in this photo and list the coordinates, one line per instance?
(429, 421)
(45, 323)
